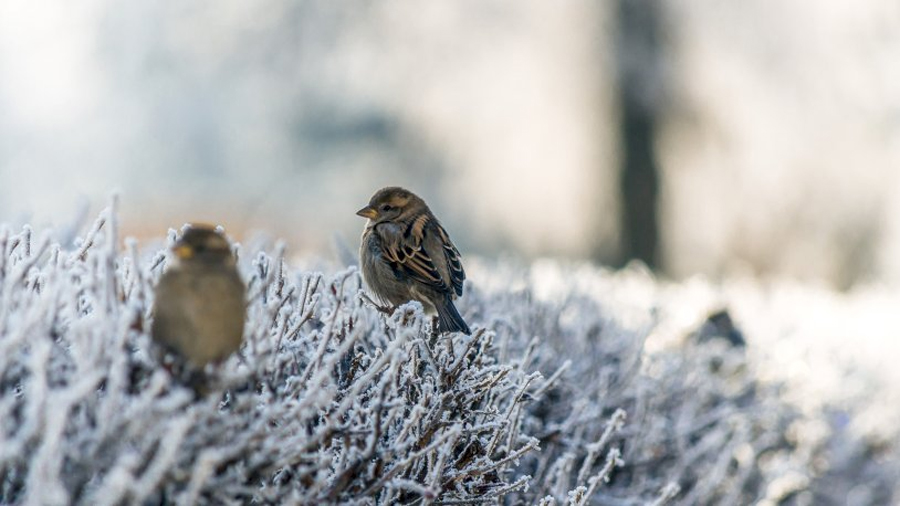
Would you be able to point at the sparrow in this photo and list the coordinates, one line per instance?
(406, 254)
(200, 308)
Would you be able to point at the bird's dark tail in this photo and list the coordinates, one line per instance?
(449, 319)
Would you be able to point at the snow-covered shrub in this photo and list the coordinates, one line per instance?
(331, 403)
(689, 418)
(550, 401)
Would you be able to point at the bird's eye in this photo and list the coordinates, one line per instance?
(386, 208)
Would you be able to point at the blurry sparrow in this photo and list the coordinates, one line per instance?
(407, 255)
(200, 309)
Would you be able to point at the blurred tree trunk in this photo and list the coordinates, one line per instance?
(641, 94)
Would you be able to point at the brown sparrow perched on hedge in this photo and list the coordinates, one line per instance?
(407, 255)
(200, 309)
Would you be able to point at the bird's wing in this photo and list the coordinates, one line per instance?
(457, 274)
(411, 249)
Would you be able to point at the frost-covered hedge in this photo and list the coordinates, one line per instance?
(550, 401)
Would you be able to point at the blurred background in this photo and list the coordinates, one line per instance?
(756, 137)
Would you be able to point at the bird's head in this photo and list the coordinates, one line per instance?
(393, 204)
(203, 245)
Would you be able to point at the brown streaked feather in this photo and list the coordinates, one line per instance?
(457, 274)
(408, 252)
(417, 228)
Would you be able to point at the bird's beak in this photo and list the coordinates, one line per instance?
(183, 251)
(367, 212)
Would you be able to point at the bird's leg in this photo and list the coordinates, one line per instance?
(169, 367)
(185, 373)
(383, 309)
(198, 381)
(172, 363)
(242, 359)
